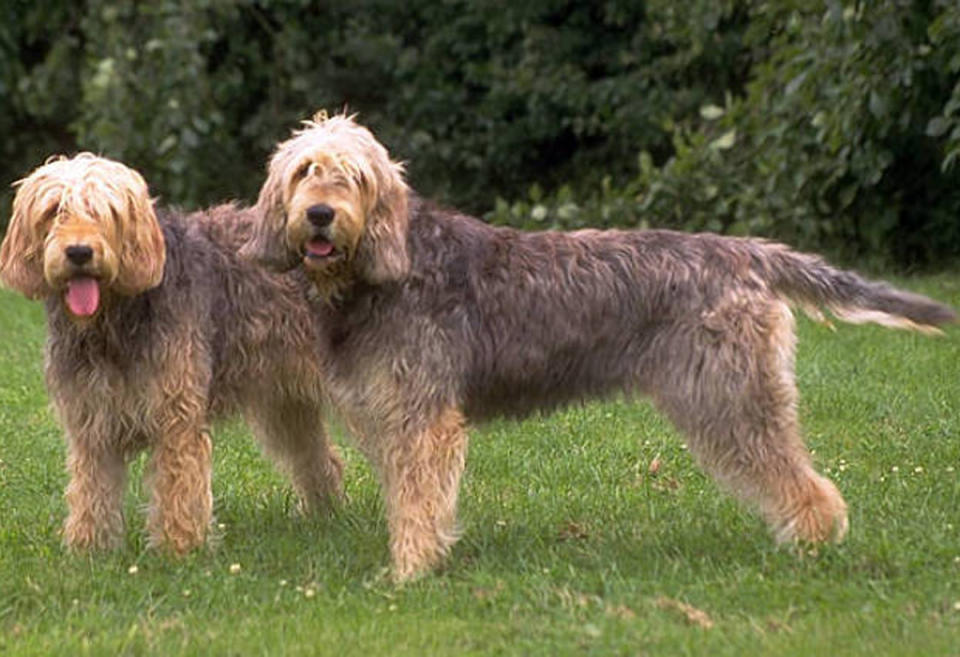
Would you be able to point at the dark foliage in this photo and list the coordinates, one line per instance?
(828, 125)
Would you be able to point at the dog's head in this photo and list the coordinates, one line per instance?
(334, 202)
(82, 226)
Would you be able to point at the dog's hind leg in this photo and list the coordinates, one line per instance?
(735, 398)
(292, 433)
(420, 474)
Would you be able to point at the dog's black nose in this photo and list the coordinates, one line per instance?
(320, 215)
(78, 254)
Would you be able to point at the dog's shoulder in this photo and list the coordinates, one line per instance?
(441, 236)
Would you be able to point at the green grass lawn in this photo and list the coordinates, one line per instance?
(571, 545)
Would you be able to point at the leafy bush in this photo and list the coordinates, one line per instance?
(847, 138)
(480, 98)
(829, 126)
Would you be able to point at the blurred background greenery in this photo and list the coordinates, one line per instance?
(832, 125)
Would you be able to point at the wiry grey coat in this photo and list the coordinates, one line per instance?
(495, 321)
(217, 336)
(505, 322)
(430, 318)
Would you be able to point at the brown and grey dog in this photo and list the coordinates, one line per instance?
(431, 318)
(155, 326)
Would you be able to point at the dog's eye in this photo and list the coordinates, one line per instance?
(306, 170)
(358, 179)
(350, 177)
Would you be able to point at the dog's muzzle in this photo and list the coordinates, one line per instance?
(320, 215)
(78, 254)
(320, 248)
(82, 288)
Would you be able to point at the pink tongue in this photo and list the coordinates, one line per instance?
(319, 248)
(83, 296)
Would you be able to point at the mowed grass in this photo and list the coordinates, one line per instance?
(571, 544)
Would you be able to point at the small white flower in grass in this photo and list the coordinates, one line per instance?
(234, 568)
(392, 607)
(187, 593)
(956, 605)
(918, 469)
(283, 582)
(894, 469)
(949, 468)
(133, 570)
(221, 526)
(309, 592)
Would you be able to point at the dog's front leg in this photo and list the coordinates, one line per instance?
(421, 480)
(179, 474)
(94, 493)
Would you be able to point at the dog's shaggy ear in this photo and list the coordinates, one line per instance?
(382, 251)
(21, 255)
(142, 249)
(267, 245)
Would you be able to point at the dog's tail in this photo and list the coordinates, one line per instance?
(814, 285)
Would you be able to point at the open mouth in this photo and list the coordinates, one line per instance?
(318, 249)
(82, 296)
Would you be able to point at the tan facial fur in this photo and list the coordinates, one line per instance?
(322, 180)
(337, 163)
(86, 202)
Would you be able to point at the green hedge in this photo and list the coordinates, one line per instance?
(481, 98)
(846, 139)
(828, 126)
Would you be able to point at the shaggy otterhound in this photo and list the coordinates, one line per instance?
(431, 318)
(155, 326)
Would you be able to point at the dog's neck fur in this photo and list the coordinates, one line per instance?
(112, 331)
(333, 288)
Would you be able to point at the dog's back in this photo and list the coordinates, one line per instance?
(555, 317)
